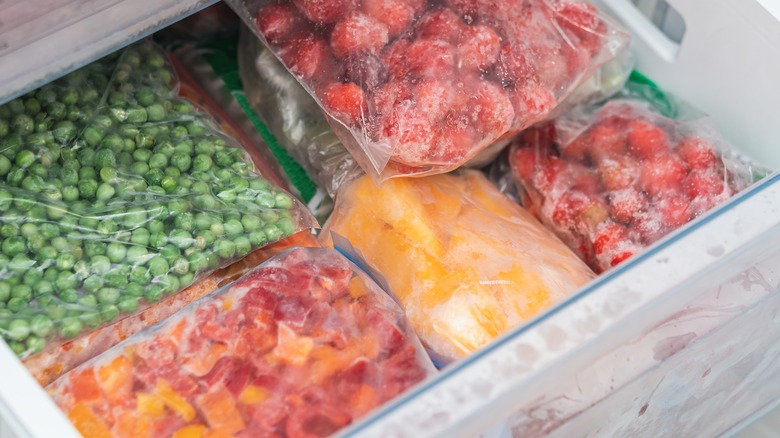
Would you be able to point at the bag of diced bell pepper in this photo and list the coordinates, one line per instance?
(301, 346)
(467, 263)
(115, 194)
(613, 178)
(413, 87)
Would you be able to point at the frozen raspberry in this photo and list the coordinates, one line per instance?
(619, 173)
(345, 102)
(308, 57)
(394, 58)
(697, 153)
(645, 139)
(648, 227)
(433, 98)
(515, 65)
(365, 69)
(705, 183)
(531, 103)
(325, 11)
(674, 209)
(478, 48)
(431, 59)
(278, 22)
(625, 204)
(440, 24)
(490, 111)
(395, 14)
(606, 142)
(664, 172)
(525, 162)
(358, 32)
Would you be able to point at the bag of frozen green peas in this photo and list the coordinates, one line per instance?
(115, 193)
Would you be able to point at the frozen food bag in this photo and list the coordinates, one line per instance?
(466, 262)
(300, 347)
(115, 194)
(612, 179)
(413, 87)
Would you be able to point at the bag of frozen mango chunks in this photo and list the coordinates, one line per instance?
(467, 263)
(301, 346)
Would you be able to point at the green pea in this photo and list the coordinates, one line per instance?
(116, 252)
(92, 135)
(109, 175)
(134, 290)
(202, 162)
(88, 300)
(181, 238)
(140, 236)
(136, 115)
(5, 291)
(108, 295)
(158, 161)
(243, 246)
(6, 199)
(34, 345)
(201, 188)
(25, 158)
(265, 200)
(5, 165)
(20, 263)
(106, 227)
(104, 192)
(9, 230)
(181, 266)
(233, 226)
(153, 177)
(65, 282)
(137, 255)
(179, 206)
(158, 266)
(153, 293)
(70, 194)
(13, 246)
(87, 188)
(41, 325)
(225, 248)
(208, 237)
(158, 240)
(16, 305)
(184, 222)
(168, 184)
(186, 280)
(18, 330)
(286, 226)
(22, 292)
(257, 238)
(156, 112)
(43, 287)
(32, 276)
(156, 226)
(100, 264)
(272, 232)
(134, 217)
(93, 283)
(128, 304)
(181, 161)
(71, 328)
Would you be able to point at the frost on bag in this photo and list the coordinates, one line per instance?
(467, 263)
(115, 194)
(301, 347)
(612, 180)
(413, 87)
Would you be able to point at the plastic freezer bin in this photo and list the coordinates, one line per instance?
(679, 341)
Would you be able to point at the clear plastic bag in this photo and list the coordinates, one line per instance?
(116, 194)
(613, 178)
(413, 88)
(467, 263)
(301, 346)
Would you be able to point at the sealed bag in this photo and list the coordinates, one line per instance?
(116, 194)
(612, 179)
(300, 347)
(412, 87)
(467, 263)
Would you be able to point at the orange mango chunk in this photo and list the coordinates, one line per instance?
(191, 431)
(201, 364)
(291, 348)
(174, 401)
(84, 386)
(150, 404)
(116, 379)
(219, 409)
(87, 423)
(252, 395)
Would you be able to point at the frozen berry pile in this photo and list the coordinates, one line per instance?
(433, 83)
(299, 348)
(621, 180)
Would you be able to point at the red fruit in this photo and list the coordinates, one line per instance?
(478, 48)
(412, 134)
(358, 32)
(574, 208)
(525, 161)
(489, 110)
(325, 11)
(552, 68)
(608, 236)
(664, 172)
(440, 24)
(308, 57)
(697, 153)
(648, 227)
(312, 421)
(365, 69)
(625, 204)
(580, 20)
(216, 332)
(394, 58)
(645, 140)
(237, 380)
(515, 65)
(575, 150)
(390, 96)
(395, 14)
(705, 184)
(584, 181)
(292, 310)
(674, 209)
(454, 144)
(255, 341)
(431, 59)
(618, 173)
(345, 102)
(278, 22)
(531, 103)
(467, 9)
(606, 142)
(545, 179)
(432, 98)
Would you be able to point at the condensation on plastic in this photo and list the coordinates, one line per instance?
(611, 179)
(300, 346)
(467, 263)
(426, 109)
(293, 116)
(119, 194)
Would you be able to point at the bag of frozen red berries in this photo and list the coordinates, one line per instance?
(303, 345)
(412, 87)
(613, 178)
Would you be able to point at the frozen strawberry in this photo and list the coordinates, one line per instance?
(566, 208)
(531, 102)
(395, 14)
(552, 69)
(514, 65)
(431, 59)
(433, 98)
(664, 172)
(412, 135)
(365, 69)
(316, 421)
(358, 32)
(606, 142)
(468, 9)
(390, 96)
(619, 173)
(325, 11)
(478, 48)
(308, 57)
(489, 110)
(706, 184)
(697, 153)
(394, 58)
(454, 144)
(648, 227)
(544, 179)
(278, 21)
(440, 24)
(626, 204)
(525, 161)
(576, 149)
(581, 20)
(345, 102)
(645, 140)
(585, 181)
(608, 236)
(674, 209)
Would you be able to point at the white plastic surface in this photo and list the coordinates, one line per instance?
(41, 40)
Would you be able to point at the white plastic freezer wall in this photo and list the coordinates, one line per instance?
(679, 341)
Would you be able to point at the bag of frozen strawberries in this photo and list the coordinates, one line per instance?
(301, 346)
(413, 87)
(612, 179)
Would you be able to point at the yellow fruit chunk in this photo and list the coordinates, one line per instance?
(526, 291)
(87, 423)
(219, 409)
(192, 431)
(291, 348)
(252, 395)
(150, 404)
(116, 379)
(174, 401)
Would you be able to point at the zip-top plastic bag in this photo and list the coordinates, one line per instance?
(412, 87)
(116, 194)
(467, 263)
(301, 346)
(613, 178)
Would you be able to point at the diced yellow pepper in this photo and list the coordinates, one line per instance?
(174, 401)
